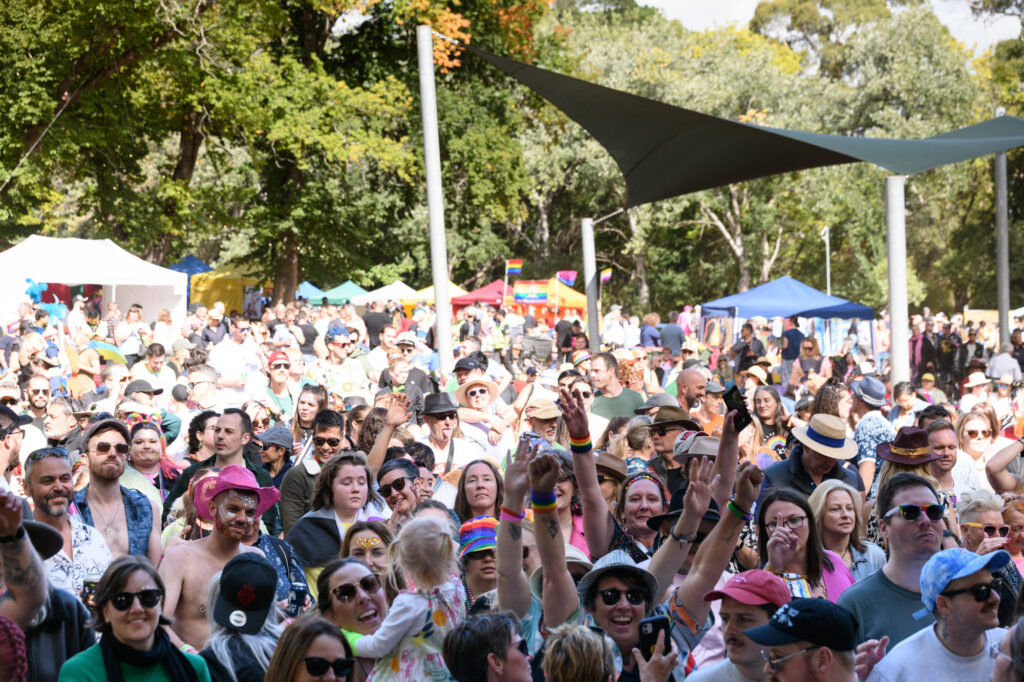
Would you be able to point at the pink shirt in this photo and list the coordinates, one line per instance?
(838, 579)
(577, 540)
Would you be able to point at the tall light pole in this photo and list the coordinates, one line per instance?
(828, 261)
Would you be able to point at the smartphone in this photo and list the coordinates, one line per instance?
(734, 401)
(649, 629)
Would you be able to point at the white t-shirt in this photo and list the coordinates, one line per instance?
(237, 361)
(923, 658)
(723, 671)
(464, 452)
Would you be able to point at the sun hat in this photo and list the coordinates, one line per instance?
(870, 390)
(976, 379)
(817, 621)
(180, 344)
(660, 399)
(950, 564)
(460, 392)
(573, 555)
(248, 585)
(826, 434)
(909, 447)
(619, 561)
(753, 588)
(542, 409)
(609, 465)
(478, 533)
(694, 444)
(758, 373)
(233, 477)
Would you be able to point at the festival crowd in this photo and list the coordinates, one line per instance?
(300, 493)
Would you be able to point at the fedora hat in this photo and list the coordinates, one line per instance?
(233, 477)
(675, 416)
(758, 373)
(826, 434)
(439, 403)
(660, 399)
(542, 409)
(460, 392)
(609, 465)
(694, 444)
(870, 390)
(976, 379)
(675, 510)
(909, 447)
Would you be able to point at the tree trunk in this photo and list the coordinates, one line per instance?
(287, 278)
(639, 262)
(543, 225)
(189, 144)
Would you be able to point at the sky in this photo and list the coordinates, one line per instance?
(973, 32)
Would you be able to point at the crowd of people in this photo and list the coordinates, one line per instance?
(304, 495)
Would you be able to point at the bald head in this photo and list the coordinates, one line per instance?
(690, 386)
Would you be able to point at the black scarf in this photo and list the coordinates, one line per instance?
(163, 653)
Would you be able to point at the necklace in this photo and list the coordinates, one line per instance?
(107, 524)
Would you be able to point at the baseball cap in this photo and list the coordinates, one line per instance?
(714, 387)
(279, 436)
(753, 588)
(817, 621)
(12, 418)
(276, 356)
(141, 386)
(950, 564)
(180, 344)
(248, 585)
(468, 364)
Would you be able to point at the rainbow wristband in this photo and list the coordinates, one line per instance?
(543, 501)
(581, 445)
(743, 516)
(510, 516)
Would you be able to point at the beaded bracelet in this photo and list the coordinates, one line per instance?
(543, 502)
(510, 516)
(743, 516)
(582, 445)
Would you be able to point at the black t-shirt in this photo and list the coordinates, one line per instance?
(310, 334)
(563, 332)
(375, 322)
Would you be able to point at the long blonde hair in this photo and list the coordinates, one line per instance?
(818, 500)
(424, 552)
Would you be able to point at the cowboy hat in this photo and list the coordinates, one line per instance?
(233, 477)
(758, 373)
(976, 379)
(694, 444)
(460, 392)
(826, 434)
(673, 415)
(909, 447)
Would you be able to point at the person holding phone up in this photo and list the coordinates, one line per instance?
(747, 350)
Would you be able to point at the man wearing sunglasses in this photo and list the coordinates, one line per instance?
(980, 513)
(669, 424)
(960, 589)
(12, 436)
(345, 372)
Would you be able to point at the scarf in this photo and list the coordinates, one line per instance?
(163, 653)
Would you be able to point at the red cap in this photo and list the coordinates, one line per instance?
(753, 588)
(278, 355)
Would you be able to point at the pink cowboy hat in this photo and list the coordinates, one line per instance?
(233, 477)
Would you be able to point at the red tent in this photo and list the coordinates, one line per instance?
(490, 294)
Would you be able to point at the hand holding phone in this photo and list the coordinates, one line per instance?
(734, 401)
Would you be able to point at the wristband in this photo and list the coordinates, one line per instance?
(510, 516)
(11, 539)
(580, 445)
(682, 539)
(187, 649)
(543, 501)
(743, 516)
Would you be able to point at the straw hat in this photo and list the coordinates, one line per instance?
(976, 379)
(460, 392)
(826, 434)
(758, 373)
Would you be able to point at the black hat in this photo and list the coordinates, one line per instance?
(13, 418)
(248, 586)
(675, 510)
(468, 364)
(46, 540)
(180, 392)
(817, 621)
(439, 403)
(141, 386)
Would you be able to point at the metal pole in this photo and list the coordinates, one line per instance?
(590, 278)
(828, 260)
(1002, 246)
(435, 197)
(896, 240)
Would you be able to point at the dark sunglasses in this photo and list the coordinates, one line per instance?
(480, 554)
(317, 666)
(611, 596)
(397, 485)
(523, 647)
(8, 401)
(346, 592)
(320, 441)
(280, 365)
(989, 529)
(122, 601)
(442, 417)
(119, 448)
(912, 512)
(981, 592)
(974, 433)
(262, 422)
(39, 391)
(586, 395)
(662, 430)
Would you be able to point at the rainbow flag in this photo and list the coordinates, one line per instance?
(606, 275)
(566, 277)
(514, 266)
(530, 291)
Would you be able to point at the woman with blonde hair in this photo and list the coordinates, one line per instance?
(575, 653)
(811, 365)
(836, 508)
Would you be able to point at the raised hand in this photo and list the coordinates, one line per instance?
(782, 547)
(729, 426)
(544, 470)
(10, 513)
(659, 668)
(398, 411)
(517, 474)
(702, 484)
(748, 485)
(869, 653)
(574, 414)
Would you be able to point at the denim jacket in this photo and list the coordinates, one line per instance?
(138, 513)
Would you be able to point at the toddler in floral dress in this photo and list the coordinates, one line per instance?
(407, 645)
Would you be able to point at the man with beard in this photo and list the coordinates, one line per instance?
(690, 385)
(952, 470)
(234, 500)
(49, 483)
(440, 413)
(667, 426)
(12, 436)
(37, 390)
(126, 518)
(61, 426)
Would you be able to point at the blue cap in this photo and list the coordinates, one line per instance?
(951, 564)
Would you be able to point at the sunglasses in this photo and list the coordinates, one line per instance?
(8, 401)
(444, 417)
(981, 592)
(1002, 385)
(280, 365)
(397, 485)
(523, 647)
(662, 430)
(346, 592)
(480, 555)
(319, 441)
(39, 391)
(193, 384)
(317, 666)
(119, 448)
(974, 433)
(792, 523)
(586, 395)
(912, 512)
(774, 663)
(612, 595)
(261, 422)
(244, 330)
(122, 601)
(989, 529)
(474, 392)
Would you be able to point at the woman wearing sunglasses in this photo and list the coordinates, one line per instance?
(984, 531)
(353, 598)
(312, 649)
(133, 645)
(975, 437)
(398, 482)
(482, 420)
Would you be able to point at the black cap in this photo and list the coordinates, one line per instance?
(817, 621)
(142, 386)
(12, 417)
(467, 364)
(180, 393)
(675, 510)
(248, 585)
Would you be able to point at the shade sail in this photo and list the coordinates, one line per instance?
(309, 292)
(490, 294)
(784, 297)
(665, 151)
(344, 292)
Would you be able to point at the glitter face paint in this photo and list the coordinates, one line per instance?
(235, 513)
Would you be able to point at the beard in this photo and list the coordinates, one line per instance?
(692, 401)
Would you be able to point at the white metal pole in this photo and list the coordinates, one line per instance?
(590, 279)
(896, 240)
(1002, 245)
(825, 234)
(435, 197)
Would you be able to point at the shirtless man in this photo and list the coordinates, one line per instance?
(127, 519)
(234, 501)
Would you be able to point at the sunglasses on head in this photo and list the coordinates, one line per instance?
(43, 453)
(974, 433)
(346, 592)
(317, 666)
(612, 595)
(320, 441)
(912, 512)
(981, 592)
(119, 448)
(989, 529)
(397, 485)
(280, 365)
(122, 601)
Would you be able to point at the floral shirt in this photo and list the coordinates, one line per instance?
(872, 430)
(91, 556)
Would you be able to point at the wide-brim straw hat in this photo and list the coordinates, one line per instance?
(460, 392)
(826, 434)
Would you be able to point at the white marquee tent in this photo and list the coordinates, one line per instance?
(125, 278)
(397, 290)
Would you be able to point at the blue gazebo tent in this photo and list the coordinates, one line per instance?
(343, 292)
(309, 292)
(785, 297)
(190, 265)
